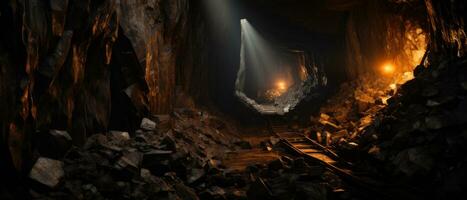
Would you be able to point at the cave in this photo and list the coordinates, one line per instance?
(233, 99)
(272, 78)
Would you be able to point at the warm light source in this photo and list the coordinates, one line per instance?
(281, 85)
(388, 68)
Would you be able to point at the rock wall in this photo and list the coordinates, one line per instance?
(157, 30)
(87, 66)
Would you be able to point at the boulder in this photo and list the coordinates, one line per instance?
(148, 125)
(47, 171)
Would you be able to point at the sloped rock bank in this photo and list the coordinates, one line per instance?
(421, 135)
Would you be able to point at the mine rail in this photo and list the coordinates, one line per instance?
(312, 151)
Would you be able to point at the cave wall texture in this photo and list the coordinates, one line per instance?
(385, 30)
(78, 65)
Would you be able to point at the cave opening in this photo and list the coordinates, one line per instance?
(272, 79)
(233, 99)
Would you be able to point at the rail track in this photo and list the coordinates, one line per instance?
(311, 150)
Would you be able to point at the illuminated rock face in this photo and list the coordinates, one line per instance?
(156, 29)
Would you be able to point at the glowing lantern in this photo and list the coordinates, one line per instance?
(388, 68)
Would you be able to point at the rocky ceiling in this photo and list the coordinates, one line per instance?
(320, 16)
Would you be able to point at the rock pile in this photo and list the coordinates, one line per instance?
(288, 178)
(418, 135)
(183, 162)
(421, 134)
(345, 115)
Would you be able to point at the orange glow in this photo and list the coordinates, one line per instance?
(281, 85)
(388, 68)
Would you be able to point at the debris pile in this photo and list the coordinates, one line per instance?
(184, 161)
(345, 115)
(421, 134)
(417, 135)
(288, 178)
(177, 161)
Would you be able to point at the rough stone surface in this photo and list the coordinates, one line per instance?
(47, 171)
(148, 125)
(156, 28)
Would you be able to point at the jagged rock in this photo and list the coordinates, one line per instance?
(145, 174)
(365, 121)
(61, 134)
(350, 146)
(120, 135)
(432, 103)
(330, 126)
(328, 139)
(131, 159)
(147, 124)
(324, 116)
(47, 171)
(335, 137)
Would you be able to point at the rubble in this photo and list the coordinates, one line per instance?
(148, 125)
(184, 162)
(414, 138)
(348, 113)
(47, 171)
(414, 135)
(61, 134)
(120, 135)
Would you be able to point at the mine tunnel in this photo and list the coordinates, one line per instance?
(233, 99)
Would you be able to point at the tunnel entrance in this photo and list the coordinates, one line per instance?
(273, 78)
